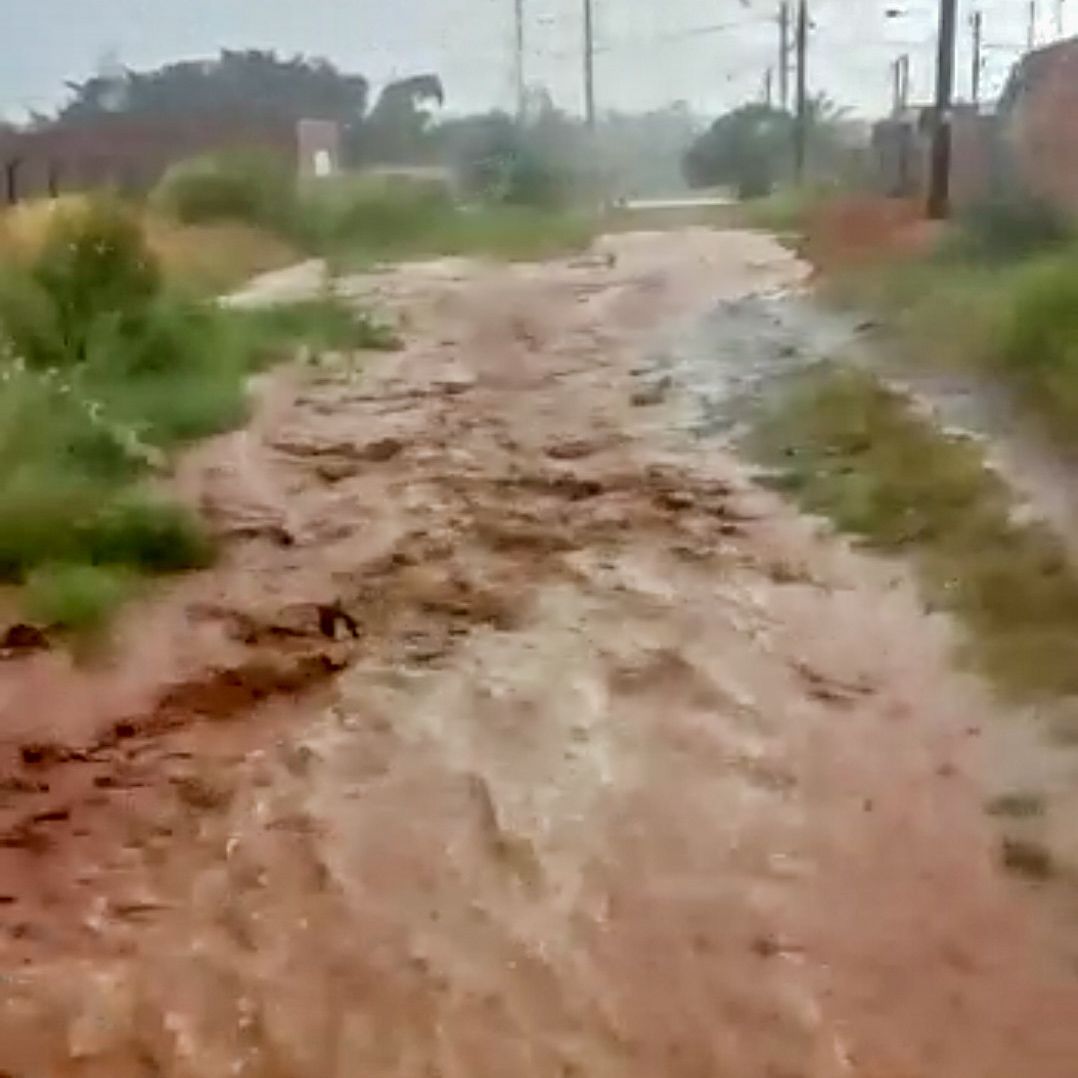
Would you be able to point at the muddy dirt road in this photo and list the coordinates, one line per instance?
(613, 766)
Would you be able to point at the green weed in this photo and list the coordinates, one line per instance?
(249, 187)
(80, 598)
(326, 323)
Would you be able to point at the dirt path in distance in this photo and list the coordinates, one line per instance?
(614, 767)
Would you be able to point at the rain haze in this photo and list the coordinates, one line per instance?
(539, 539)
(648, 55)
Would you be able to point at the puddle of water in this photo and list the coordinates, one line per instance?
(728, 360)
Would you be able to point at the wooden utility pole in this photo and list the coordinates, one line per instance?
(1059, 18)
(518, 58)
(784, 54)
(802, 118)
(769, 79)
(939, 191)
(1031, 35)
(589, 64)
(978, 63)
(901, 74)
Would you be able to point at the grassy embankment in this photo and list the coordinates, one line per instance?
(113, 352)
(105, 368)
(356, 221)
(846, 447)
(997, 293)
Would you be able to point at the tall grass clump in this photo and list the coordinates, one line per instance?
(362, 220)
(102, 370)
(1006, 228)
(239, 186)
(1038, 344)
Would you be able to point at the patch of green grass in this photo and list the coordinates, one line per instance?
(848, 448)
(998, 295)
(325, 323)
(360, 221)
(785, 211)
(79, 598)
(102, 372)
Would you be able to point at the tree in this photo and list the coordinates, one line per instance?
(397, 129)
(243, 81)
(501, 160)
(750, 148)
(747, 149)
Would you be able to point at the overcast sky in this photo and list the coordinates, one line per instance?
(711, 53)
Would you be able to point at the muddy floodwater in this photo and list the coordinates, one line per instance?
(518, 732)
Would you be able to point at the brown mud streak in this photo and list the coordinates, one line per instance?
(613, 767)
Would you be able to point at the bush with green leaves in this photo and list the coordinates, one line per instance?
(1009, 227)
(79, 598)
(255, 188)
(101, 370)
(504, 162)
(380, 213)
(93, 266)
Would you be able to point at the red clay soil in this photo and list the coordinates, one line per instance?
(848, 232)
(516, 734)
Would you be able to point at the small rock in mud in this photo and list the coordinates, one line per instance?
(676, 500)
(1025, 857)
(380, 450)
(651, 395)
(201, 792)
(42, 754)
(333, 616)
(573, 449)
(334, 471)
(23, 638)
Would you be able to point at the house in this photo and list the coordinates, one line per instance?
(1027, 143)
(1039, 123)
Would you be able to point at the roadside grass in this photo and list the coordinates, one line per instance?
(787, 210)
(500, 233)
(104, 370)
(77, 598)
(997, 294)
(1017, 322)
(216, 258)
(361, 220)
(325, 323)
(847, 448)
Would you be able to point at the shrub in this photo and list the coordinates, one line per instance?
(92, 265)
(379, 213)
(504, 163)
(1039, 341)
(1009, 227)
(325, 323)
(95, 264)
(142, 531)
(255, 188)
(76, 597)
